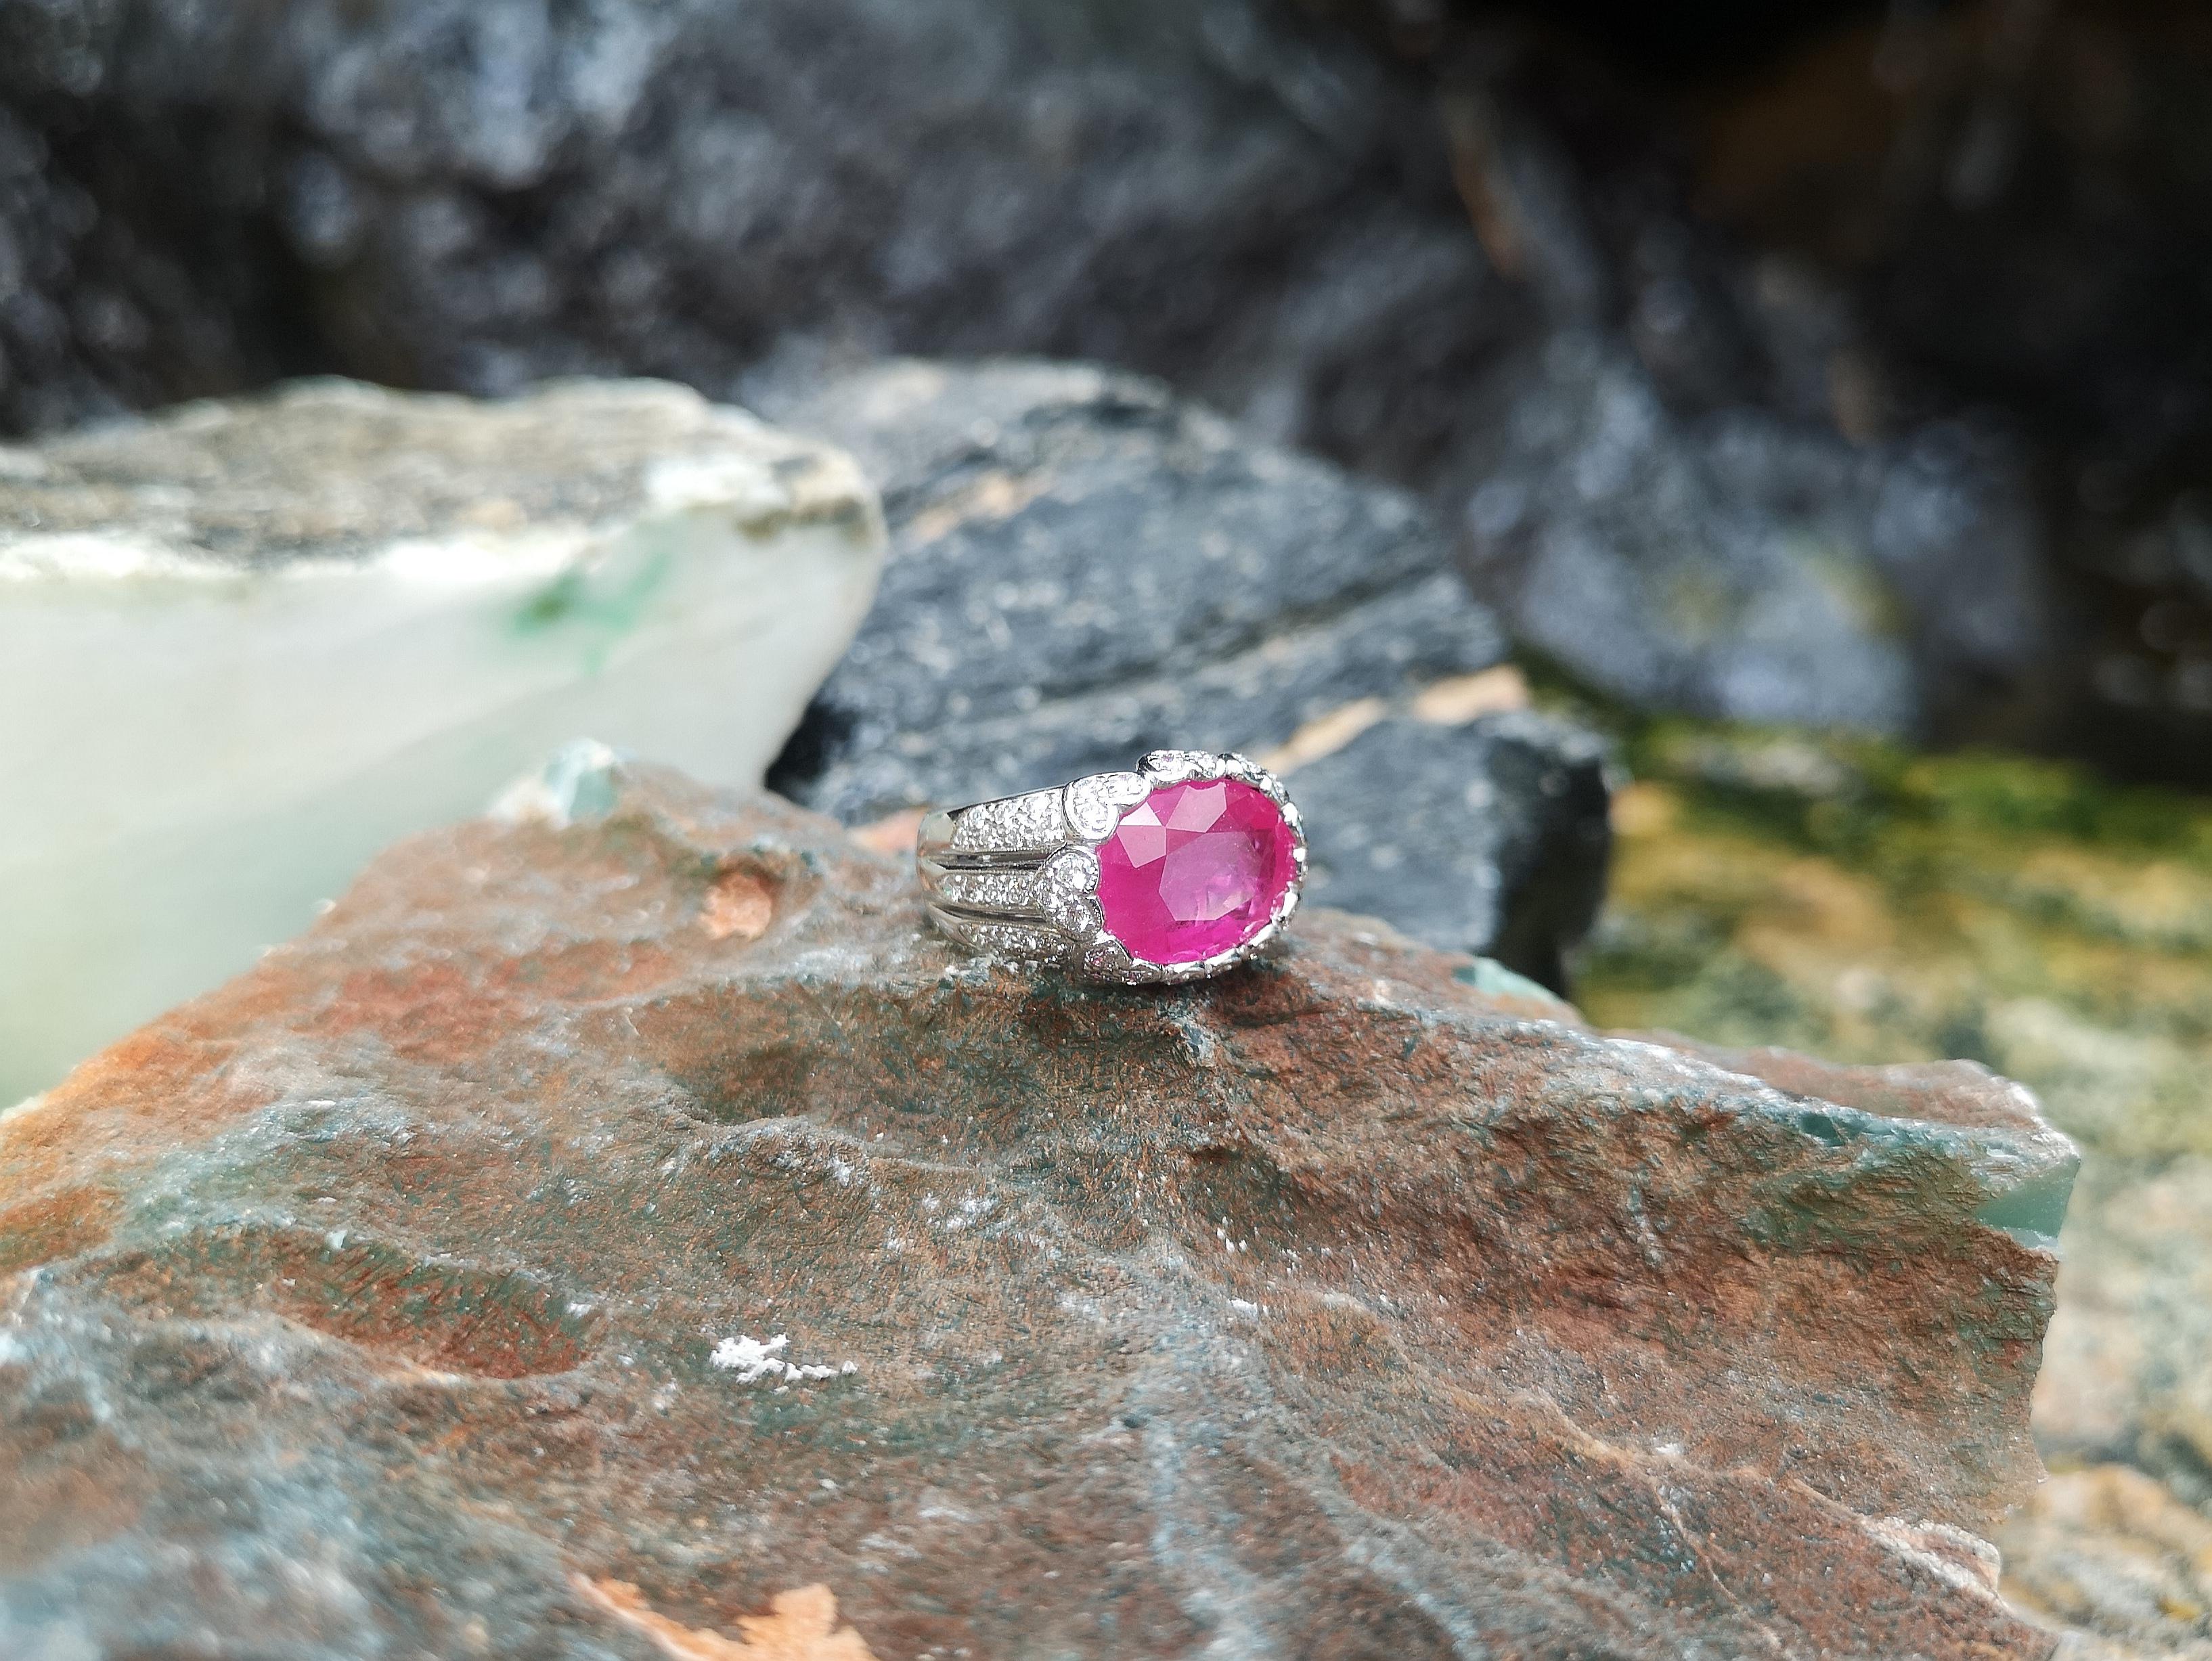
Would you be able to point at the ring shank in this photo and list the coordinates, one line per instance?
(1021, 829)
(982, 868)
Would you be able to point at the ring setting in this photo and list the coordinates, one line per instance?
(1179, 870)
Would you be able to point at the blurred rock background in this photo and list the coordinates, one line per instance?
(1815, 403)
(1850, 365)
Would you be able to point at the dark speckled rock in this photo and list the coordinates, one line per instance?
(1489, 836)
(588, 1225)
(1085, 568)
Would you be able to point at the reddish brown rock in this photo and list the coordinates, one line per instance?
(649, 1203)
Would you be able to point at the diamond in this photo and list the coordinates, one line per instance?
(1196, 869)
(1012, 824)
(1064, 890)
(1094, 803)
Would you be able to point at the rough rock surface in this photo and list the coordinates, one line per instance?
(245, 645)
(639, 1219)
(1490, 835)
(1346, 256)
(1855, 902)
(1084, 569)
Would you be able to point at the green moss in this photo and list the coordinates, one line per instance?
(1864, 903)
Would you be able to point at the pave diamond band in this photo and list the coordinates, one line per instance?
(1186, 867)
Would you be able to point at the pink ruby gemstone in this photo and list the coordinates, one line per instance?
(1195, 869)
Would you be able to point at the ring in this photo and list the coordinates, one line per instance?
(1183, 868)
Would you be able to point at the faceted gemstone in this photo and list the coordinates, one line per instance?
(1195, 869)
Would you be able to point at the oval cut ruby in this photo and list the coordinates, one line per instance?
(1195, 869)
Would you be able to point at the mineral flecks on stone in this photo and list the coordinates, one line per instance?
(245, 645)
(1085, 568)
(396, 1297)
